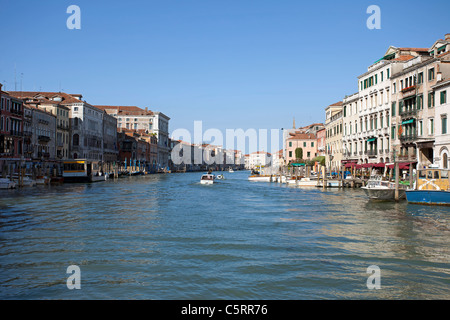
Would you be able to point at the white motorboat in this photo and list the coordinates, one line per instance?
(5, 183)
(26, 181)
(230, 170)
(220, 177)
(377, 189)
(329, 183)
(207, 179)
(259, 178)
(303, 182)
(98, 177)
(42, 180)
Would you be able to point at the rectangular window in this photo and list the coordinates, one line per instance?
(304, 144)
(290, 154)
(394, 87)
(430, 99)
(444, 125)
(376, 79)
(382, 76)
(312, 144)
(393, 109)
(431, 129)
(431, 74)
(388, 73)
(443, 97)
(308, 154)
(420, 78)
(420, 128)
(420, 102)
(393, 132)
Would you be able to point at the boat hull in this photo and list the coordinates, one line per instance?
(7, 184)
(259, 179)
(428, 197)
(383, 194)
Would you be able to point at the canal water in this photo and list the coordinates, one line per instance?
(168, 237)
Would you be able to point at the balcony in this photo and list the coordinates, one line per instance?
(16, 112)
(62, 127)
(372, 153)
(42, 121)
(407, 89)
(405, 157)
(43, 139)
(16, 133)
(408, 137)
(408, 113)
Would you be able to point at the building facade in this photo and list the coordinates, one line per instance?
(442, 115)
(333, 136)
(306, 142)
(11, 126)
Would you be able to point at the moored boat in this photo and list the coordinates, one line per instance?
(42, 180)
(302, 182)
(378, 189)
(259, 178)
(5, 183)
(430, 188)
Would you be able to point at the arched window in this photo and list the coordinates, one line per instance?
(445, 161)
(76, 140)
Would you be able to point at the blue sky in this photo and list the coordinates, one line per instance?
(232, 64)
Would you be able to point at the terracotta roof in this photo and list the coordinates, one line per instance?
(65, 97)
(414, 49)
(130, 110)
(337, 104)
(404, 57)
(301, 136)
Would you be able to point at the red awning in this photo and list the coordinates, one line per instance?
(401, 166)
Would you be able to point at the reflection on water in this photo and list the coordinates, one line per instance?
(169, 237)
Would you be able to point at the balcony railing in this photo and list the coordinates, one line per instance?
(16, 133)
(62, 127)
(408, 137)
(372, 153)
(44, 138)
(405, 157)
(410, 88)
(408, 113)
(16, 112)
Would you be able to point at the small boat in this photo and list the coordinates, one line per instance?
(220, 177)
(26, 181)
(329, 183)
(207, 179)
(230, 170)
(5, 183)
(430, 188)
(42, 180)
(260, 178)
(377, 189)
(302, 182)
(99, 176)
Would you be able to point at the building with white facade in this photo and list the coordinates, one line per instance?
(442, 132)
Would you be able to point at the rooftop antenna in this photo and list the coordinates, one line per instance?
(21, 82)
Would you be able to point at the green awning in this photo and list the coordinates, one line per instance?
(408, 121)
(299, 164)
(371, 139)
